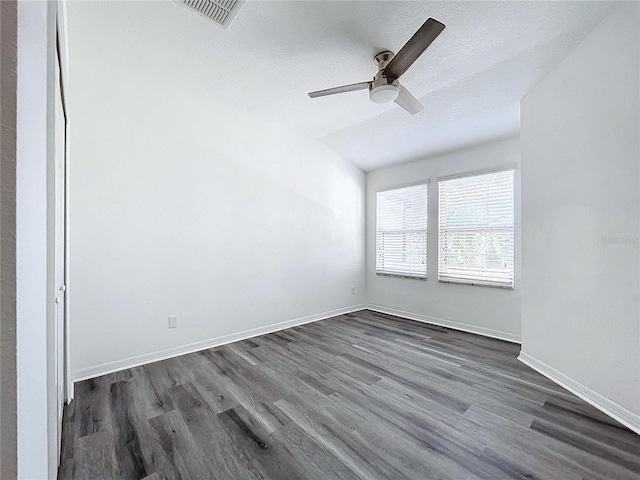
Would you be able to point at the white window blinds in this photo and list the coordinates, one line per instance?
(475, 233)
(401, 237)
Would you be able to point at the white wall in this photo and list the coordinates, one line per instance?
(36, 400)
(181, 207)
(486, 310)
(580, 210)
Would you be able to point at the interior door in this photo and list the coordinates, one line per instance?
(60, 240)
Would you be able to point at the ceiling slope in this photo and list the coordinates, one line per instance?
(470, 80)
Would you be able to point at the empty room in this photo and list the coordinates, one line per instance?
(320, 240)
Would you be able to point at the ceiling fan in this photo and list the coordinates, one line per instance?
(385, 86)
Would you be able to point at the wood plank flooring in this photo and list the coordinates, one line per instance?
(359, 396)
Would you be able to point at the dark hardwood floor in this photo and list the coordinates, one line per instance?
(363, 395)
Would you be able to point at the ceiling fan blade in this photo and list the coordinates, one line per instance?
(408, 101)
(344, 88)
(417, 44)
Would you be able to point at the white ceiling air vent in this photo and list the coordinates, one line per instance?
(220, 11)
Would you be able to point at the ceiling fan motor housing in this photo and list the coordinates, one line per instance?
(383, 89)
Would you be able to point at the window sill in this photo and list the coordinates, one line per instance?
(399, 275)
(476, 283)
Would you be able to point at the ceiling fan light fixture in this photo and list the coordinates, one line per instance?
(384, 93)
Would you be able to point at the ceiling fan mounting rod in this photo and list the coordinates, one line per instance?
(382, 59)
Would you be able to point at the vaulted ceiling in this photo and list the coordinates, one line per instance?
(470, 80)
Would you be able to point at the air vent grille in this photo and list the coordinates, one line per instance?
(220, 11)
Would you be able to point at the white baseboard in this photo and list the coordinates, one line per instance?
(487, 332)
(615, 411)
(130, 362)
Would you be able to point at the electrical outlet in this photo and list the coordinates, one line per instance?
(173, 321)
(353, 290)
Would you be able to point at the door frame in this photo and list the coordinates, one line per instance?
(62, 55)
(59, 250)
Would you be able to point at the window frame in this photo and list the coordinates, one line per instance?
(390, 273)
(471, 279)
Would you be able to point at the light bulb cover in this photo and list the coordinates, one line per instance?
(384, 93)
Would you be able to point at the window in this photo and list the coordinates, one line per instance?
(401, 237)
(475, 232)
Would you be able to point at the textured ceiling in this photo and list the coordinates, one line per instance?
(470, 80)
